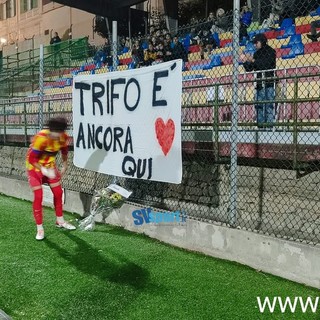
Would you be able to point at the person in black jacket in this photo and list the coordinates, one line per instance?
(55, 41)
(178, 51)
(264, 62)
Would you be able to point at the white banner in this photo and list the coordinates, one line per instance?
(128, 123)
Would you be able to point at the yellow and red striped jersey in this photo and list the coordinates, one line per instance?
(44, 149)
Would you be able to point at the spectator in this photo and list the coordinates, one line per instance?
(103, 56)
(149, 55)
(194, 37)
(314, 35)
(264, 59)
(160, 53)
(208, 24)
(276, 13)
(207, 43)
(137, 54)
(55, 41)
(245, 21)
(178, 51)
(124, 45)
(304, 7)
(220, 23)
(167, 50)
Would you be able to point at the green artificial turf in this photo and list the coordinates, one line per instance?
(111, 273)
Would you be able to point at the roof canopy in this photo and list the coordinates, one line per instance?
(104, 8)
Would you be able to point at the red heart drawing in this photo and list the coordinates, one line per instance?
(165, 134)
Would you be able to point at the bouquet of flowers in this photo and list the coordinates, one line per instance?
(103, 202)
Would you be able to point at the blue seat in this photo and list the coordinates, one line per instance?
(131, 65)
(296, 49)
(250, 48)
(294, 39)
(288, 32)
(192, 77)
(186, 42)
(216, 38)
(198, 66)
(287, 22)
(315, 13)
(261, 31)
(215, 62)
(243, 41)
(225, 54)
(251, 34)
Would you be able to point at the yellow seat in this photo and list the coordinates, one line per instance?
(221, 50)
(194, 56)
(300, 21)
(122, 68)
(225, 35)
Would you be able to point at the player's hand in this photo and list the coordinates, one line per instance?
(63, 170)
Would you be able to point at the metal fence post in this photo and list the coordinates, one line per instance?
(114, 44)
(4, 125)
(41, 86)
(25, 124)
(234, 119)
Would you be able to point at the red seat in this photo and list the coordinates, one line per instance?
(224, 42)
(272, 34)
(125, 61)
(303, 29)
(194, 48)
(311, 47)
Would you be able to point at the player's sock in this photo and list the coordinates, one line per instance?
(60, 220)
(37, 206)
(57, 200)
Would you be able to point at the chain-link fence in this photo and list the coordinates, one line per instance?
(250, 114)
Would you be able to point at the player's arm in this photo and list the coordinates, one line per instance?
(36, 151)
(64, 156)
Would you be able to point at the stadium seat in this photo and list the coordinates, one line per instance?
(194, 48)
(296, 49)
(294, 39)
(131, 65)
(312, 47)
(228, 44)
(315, 13)
(216, 38)
(215, 62)
(287, 22)
(288, 31)
(253, 26)
(186, 42)
(250, 48)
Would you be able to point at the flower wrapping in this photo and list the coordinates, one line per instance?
(104, 201)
